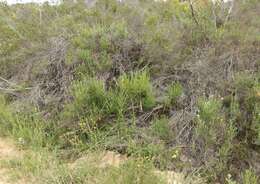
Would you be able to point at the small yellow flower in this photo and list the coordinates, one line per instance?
(174, 156)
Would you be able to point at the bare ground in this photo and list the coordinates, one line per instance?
(9, 151)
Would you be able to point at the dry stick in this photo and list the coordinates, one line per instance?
(13, 90)
(3, 79)
(40, 16)
(11, 84)
(213, 8)
(193, 13)
(229, 12)
(8, 91)
(147, 115)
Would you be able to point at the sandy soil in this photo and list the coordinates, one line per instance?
(8, 151)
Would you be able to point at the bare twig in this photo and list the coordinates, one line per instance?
(193, 13)
(147, 115)
(3, 79)
(229, 12)
(7, 89)
(12, 86)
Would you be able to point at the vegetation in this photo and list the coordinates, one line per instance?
(173, 86)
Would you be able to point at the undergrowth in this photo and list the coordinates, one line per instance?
(172, 85)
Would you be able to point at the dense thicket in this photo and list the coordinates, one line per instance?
(173, 82)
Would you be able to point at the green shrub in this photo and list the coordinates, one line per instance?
(92, 65)
(209, 109)
(162, 129)
(116, 103)
(95, 94)
(218, 133)
(226, 148)
(145, 149)
(89, 96)
(174, 91)
(249, 177)
(102, 37)
(137, 89)
(85, 55)
(247, 89)
(256, 125)
(209, 120)
(6, 116)
(28, 128)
